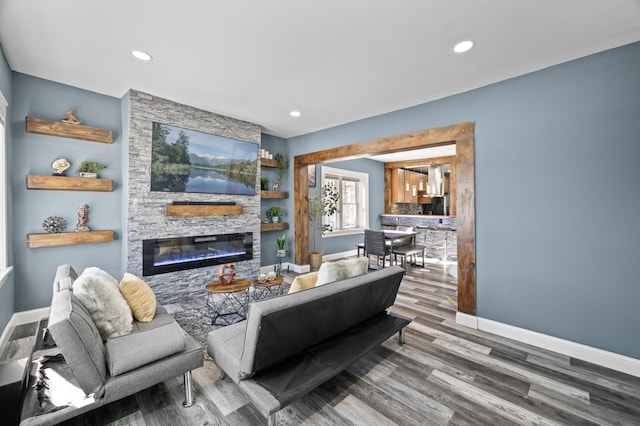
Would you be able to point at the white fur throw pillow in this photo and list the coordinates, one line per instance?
(98, 292)
(341, 270)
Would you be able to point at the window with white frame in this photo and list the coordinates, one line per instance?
(352, 216)
(4, 270)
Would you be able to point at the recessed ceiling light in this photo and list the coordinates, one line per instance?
(463, 46)
(295, 113)
(139, 54)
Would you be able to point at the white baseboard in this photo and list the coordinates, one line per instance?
(5, 334)
(466, 320)
(341, 255)
(303, 269)
(299, 269)
(26, 317)
(612, 360)
(19, 318)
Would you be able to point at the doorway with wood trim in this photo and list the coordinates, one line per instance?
(462, 135)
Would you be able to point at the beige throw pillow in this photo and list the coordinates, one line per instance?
(303, 282)
(139, 296)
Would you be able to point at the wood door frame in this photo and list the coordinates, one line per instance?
(462, 135)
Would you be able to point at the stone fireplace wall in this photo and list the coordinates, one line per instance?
(146, 218)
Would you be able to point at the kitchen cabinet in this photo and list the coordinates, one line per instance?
(397, 185)
(407, 186)
(414, 187)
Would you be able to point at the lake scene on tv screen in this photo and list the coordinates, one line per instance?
(184, 160)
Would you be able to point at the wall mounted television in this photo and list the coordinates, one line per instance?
(184, 160)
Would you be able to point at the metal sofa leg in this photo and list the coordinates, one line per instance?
(401, 336)
(188, 395)
(272, 420)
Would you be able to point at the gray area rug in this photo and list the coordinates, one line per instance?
(197, 320)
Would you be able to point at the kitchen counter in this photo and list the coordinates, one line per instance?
(438, 233)
(431, 216)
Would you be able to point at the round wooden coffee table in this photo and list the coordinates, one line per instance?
(267, 289)
(234, 303)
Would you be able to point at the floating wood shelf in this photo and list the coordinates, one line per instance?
(68, 238)
(266, 162)
(66, 130)
(200, 210)
(64, 183)
(274, 194)
(279, 226)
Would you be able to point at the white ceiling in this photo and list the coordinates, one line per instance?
(334, 60)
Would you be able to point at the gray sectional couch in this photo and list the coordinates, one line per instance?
(289, 345)
(97, 372)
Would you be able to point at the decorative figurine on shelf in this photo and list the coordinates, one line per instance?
(226, 273)
(275, 187)
(54, 224)
(60, 166)
(70, 118)
(83, 217)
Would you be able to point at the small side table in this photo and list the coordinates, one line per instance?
(280, 254)
(268, 288)
(13, 378)
(235, 301)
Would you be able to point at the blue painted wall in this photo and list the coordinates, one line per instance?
(33, 154)
(7, 304)
(557, 196)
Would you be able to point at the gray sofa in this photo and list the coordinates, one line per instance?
(289, 345)
(102, 372)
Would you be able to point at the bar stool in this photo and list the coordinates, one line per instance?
(424, 238)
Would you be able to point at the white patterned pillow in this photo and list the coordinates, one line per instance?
(341, 270)
(98, 292)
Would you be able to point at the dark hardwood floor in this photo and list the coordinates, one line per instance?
(444, 374)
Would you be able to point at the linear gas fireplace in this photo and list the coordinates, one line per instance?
(170, 254)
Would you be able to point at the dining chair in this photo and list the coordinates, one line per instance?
(374, 244)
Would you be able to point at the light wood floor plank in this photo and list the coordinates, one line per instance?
(501, 407)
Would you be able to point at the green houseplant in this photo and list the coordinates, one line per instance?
(90, 168)
(281, 169)
(280, 240)
(264, 184)
(320, 205)
(275, 212)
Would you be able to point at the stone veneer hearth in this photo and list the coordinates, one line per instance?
(145, 211)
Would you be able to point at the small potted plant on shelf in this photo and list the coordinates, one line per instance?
(90, 169)
(264, 184)
(323, 204)
(275, 212)
(280, 240)
(281, 170)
